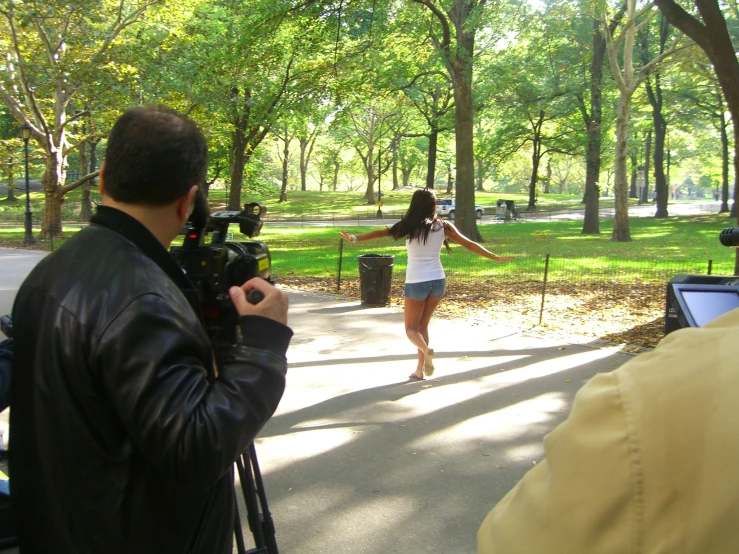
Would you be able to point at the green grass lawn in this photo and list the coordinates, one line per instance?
(311, 204)
(314, 251)
(688, 238)
(659, 248)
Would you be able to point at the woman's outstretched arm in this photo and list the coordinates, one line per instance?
(376, 234)
(453, 234)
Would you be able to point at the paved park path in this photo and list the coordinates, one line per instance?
(358, 459)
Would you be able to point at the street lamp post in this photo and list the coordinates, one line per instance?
(28, 237)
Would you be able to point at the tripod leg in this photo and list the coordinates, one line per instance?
(268, 526)
(250, 499)
(238, 533)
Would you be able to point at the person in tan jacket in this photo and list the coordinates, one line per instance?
(645, 463)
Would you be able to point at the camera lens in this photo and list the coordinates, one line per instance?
(730, 237)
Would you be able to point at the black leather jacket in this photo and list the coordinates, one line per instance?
(123, 432)
(6, 364)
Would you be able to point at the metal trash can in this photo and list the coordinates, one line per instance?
(375, 277)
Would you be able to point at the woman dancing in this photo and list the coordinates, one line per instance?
(425, 281)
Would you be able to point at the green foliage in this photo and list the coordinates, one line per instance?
(660, 242)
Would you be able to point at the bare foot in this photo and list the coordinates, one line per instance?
(418, 375)
(428, 363)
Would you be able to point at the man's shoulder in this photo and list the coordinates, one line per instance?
(690, 367)
(98, 259)
(98, 246)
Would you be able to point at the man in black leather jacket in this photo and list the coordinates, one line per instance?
(123, 428)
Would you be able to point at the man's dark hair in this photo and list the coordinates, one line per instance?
(154, 156)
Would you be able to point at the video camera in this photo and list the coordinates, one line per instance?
(216, 267)
(694, 300)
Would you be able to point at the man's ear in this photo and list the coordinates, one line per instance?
(186, 203)
(101, 180)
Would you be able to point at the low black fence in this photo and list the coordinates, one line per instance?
(622, 299)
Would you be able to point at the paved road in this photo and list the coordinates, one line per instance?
(358, 459)
(645, 210)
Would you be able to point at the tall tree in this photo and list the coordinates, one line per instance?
(711, 33)
(653, 84)
(627, 80)
(592, 114)
(239, 66)
(52, 50)
(374, 123)
(432, 95)
(701, 96)
(454, 36)
(285, 136)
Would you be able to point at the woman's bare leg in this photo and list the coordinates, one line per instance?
(413, 310)
(417, 316)
(431, 304)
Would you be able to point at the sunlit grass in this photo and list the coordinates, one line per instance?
(315, 204)
(657, 245)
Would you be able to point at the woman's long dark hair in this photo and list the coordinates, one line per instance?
(419, 219)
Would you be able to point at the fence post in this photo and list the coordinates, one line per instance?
(544, 288)
(710, 266)
(341, 256)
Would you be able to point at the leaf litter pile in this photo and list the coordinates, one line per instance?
(626, 313)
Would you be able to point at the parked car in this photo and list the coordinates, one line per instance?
(445, 208)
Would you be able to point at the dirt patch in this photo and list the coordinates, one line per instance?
(631, 314)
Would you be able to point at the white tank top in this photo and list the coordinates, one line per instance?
(424, 260)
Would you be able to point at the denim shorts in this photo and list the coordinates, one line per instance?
(425, 289)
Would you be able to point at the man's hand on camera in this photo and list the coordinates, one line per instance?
(273, 305)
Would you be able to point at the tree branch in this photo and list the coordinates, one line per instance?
(685, 22)
(71, 186)
(441, 17)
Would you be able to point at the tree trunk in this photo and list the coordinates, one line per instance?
(335, 177)
(647, 167)
(304, 143)
(51, 182)
(724, 165)
(479, 176)
(591, 220)
(51, 224)
(405, 174)
(534, 179)
(660, 180)
(285, 167)
(394, 150)
(11, 180)
(237, 163)
(464, 216)
(632, 185)
(431, 163)
(536, 155)
(369, 166)
(621, 232)
(85, 200)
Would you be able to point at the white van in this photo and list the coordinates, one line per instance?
(445, 208)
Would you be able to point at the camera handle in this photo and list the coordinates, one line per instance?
(255, 296)
(261, 524)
